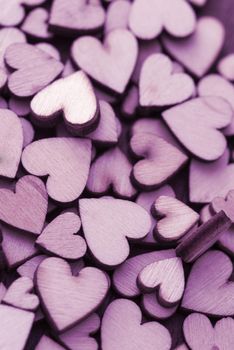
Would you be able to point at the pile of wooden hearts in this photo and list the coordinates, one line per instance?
(117, 175)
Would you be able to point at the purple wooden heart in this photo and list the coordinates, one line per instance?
(11, 136)
(208, 288)
(3, 78)
(114, 59)
(28, 131)
(166, 88)
(74, 96)
(117, 15)
(58, 237)
(19, 106)
(78, 17)
(9, 36)
(111, 170)
(125, 276)
(29, 268)
(200, 334)
(225, 204)
(130, 102)
(153, 308)
(51, 50)
(198, 52)
(196, 124)
(153, 149)
(36, 24)
(226, 67)
(79, 337)
(107, 223)
(67, 299)
(177, 220)
(122, 329)
(147, 19)
(29, 202)
(32, 74)
(54, 157)
(47, 343)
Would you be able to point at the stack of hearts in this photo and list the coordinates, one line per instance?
(116, 175)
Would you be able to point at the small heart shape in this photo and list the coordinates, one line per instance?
(77, 17)
(199, 51)
(197, 125)
(65, 160)
(122, 325)
(147, 19)
(155, 169)
(168, 276)
(27, 207)
(11, 136)
(107, 223)
(178, 218)
(74, 96)
(33, 73)
(115, 59)
(18, 295)
(9, 36)
(36, 24)
(66, 299)
(226, 67)
(159, 86)
(226, 205)
(58, 237)
(208, 288)
(200, 334)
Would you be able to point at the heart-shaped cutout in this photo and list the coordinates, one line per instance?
(19, 295)
(153, 149)
(208, 288)
(58, 237)
(153, 307)
(199, 51)
(226, 205)
(66, 299)
(178, 218)
(34, 69)
(166, 88)
(107, 223)
(147, 19)
(226, 67)
(122, 325)
(168, 276)
(27, 207)
(197, 125)
(115, 59)
(65, 160)
(74, 96)
(200, 334)
(36, 24)
(9, 36)
(79, 17)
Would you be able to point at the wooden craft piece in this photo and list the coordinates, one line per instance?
(47, 343)
(130, 103)
(65, 160)
(117, 15)
(226, 67)
(153, 308)
(51, 50)
(67, 299)
(107, 223)
(29, 268)
(19, 106)
(19, 295)
(9, 36)
(36, 24)
(155, 169)
(226, 205)
(28, 132)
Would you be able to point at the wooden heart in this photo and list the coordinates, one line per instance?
(67, 299)
(226, 67)
(199, 51)
(111, 170)
(200, 334)
(196, 124)
(79, 17)
(153, 149)
(59, 237)
(79, 337)
(32, 73)
(30, 266)
(107, 223)
(28, 131)
(178, 218)
(147, 19)
(11, 136)
(16, 327)
(36, 24)
(47, 343)
(114, 59)
(27, 207)
(117, 15)
(74, 96)
(125, 276)
(153, 308)
(208, 288)
(122, 325)
(210, 180)
(166, 88)
(168, 276)
(19, 295)
(9, 36)
(226, 205)
(51, 50)
(65, 160)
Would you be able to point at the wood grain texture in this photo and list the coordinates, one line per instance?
(65, 160)
(107, 223)
(67, 299)
(198, 241)
(29, 267)
(9, 36)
